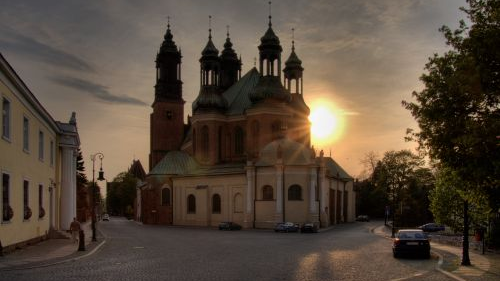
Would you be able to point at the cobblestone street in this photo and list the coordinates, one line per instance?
(143, 252)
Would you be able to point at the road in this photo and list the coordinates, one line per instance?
(143, 252)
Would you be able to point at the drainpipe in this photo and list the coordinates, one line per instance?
(283, 191)
(254, 195)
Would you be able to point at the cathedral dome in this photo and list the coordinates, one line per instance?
(289, 151)
(269, 87)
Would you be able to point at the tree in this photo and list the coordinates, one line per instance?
(369, 162)
(81, 177)
(446, 202)
(401, 174)
(121, 194)
(458, 110)
(82, 201)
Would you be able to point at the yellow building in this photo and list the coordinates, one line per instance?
(37, 165)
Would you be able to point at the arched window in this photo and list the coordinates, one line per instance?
(216, 204)
(238, 203)
(165, 197)
(295, 192)
(191, 204)
(239, 141)
(204, 142)
(276, 129)
(255, 129)
(194, 141)
(267, 192)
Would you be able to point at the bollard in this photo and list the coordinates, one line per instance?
(81, 241)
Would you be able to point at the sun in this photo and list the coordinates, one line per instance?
(326, 123)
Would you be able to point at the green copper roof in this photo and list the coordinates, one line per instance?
(237, 96)
(269, 87)
(175, 163)
(335, 169)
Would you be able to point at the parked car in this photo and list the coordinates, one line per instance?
(286, 227)
(309, 228)
(362, 218)
(431, 227)
(411, 241)
(228, 225)
(105, 217)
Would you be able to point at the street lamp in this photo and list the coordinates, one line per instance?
(100, 177)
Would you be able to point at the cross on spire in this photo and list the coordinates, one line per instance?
(227, 27)
(254, 62)
(168, 22)
(293, 39)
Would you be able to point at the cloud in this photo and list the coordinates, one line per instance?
(18, 43)
(98, 91)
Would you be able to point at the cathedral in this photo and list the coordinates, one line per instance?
(245, 154)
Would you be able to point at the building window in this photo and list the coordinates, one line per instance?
(194, 142)
(238, 203)
(40, 195)
(255, 130)
(27, 209)
(276, 129)
(267, 192)
(52, 153)
(40, 145)
(5, 197)
(216, 204)
(26, 134)
(239, 141)
(204, 142)
(6, 118)
(191, 204)
(165, 197)
(295, 192)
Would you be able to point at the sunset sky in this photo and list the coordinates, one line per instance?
(361, 58)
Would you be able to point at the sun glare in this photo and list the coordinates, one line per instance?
(326, 124)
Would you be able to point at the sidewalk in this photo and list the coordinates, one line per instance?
(48, 252)
(484, 267)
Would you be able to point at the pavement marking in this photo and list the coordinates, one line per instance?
(411, 276)
(449, 274)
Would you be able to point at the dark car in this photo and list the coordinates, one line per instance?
(286, 227)
(228, 225)
(309, 228)
(105, 217)
(362, 218)
(411, 241)
(432, 227)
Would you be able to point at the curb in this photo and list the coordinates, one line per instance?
(65, 260)
(440, 261)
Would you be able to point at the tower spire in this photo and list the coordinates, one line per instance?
(168, 22)
(227, 27)
(270, 23)
(293, 39)
(210, 27)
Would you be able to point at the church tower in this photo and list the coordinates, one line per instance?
(299, 125)
(210, 97)
(230, 65)
(167, 119)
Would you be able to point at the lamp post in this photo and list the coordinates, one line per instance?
(100, 177)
